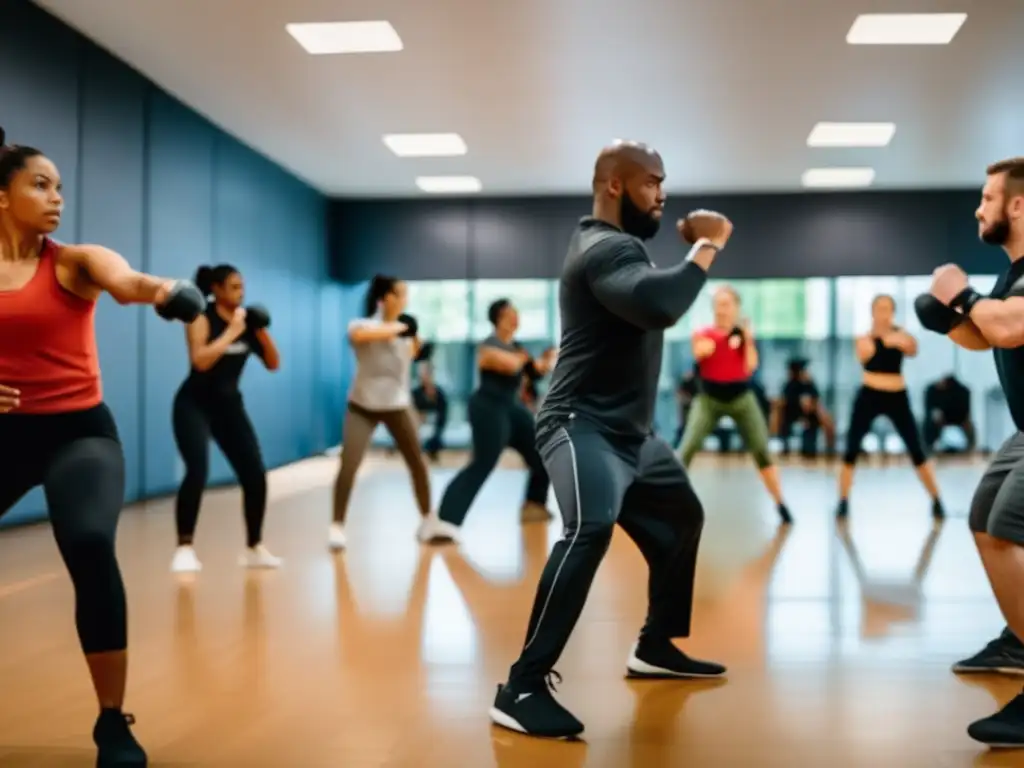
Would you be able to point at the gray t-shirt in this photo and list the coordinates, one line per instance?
(383, 371)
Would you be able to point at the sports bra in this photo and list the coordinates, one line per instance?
(48, 344)
(886, 359)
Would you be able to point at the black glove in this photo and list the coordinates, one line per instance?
(426, 352)
(257, 317)
(185, 302)
(936, 316)
(413, 326)
(736, 333)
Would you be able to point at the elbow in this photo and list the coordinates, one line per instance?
(659, 319)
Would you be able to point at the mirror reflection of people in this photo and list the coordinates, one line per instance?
(428, 397)
(727, 356)
(947, 403)
(800, 404)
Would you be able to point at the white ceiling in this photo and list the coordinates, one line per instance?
(728, 90)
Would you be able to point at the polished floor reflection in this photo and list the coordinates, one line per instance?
(838, 643)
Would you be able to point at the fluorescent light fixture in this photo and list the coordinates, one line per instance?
(905, 28)
(425, 144)
(838, 177)
(851, 135)
(346, 37)
(448, 184)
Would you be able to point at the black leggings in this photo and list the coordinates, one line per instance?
(872, 403)
(78, 460)
(496, 424)
(225, 420)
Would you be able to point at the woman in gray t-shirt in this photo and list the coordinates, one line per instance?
(385, 344)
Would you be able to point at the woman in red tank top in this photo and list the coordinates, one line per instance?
(726, 356)
(55, 430)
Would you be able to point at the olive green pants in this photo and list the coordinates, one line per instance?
(705, 414)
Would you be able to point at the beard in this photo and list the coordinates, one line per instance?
(998, 233)
(639, 224)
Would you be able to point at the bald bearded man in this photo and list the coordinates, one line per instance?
(594, 434)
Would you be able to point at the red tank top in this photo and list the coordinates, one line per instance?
(48, 343)
(727, 364)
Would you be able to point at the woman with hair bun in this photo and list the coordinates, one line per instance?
(385, 343)
(209, 404)
(498, 420)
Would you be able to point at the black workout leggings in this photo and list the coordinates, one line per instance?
(496, 424)
(872, 403)
(78, 460)
(225, 420)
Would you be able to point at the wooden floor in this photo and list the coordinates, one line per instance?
(388, 655)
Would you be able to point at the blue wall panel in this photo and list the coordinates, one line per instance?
(148, 177)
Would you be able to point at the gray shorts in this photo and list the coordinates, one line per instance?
(998, 504)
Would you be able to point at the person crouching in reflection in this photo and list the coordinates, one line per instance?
(947, 403)
(800, 404)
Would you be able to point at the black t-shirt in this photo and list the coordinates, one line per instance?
(221, 379)
(503, 386)
(615, 306)
(1010, 362)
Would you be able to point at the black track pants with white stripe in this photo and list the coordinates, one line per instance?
(600, 480)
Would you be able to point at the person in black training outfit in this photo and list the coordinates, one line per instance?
(209, 404)
(56, 430)
(594, 432)
(947, 403)
(429, 397)
(800, 403)
(498, 419)
(975, 322)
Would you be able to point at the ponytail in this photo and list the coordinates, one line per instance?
(207, 276)
(380, 286)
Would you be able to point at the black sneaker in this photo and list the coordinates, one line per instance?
(114, 740)
(784, 516)
(527, 706)
(1004, 729)
(661, 660)
(938, 511)
(843, 509)
(1003, 656)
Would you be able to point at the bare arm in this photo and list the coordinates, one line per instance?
(701, 346)
(902, 341)
(626, 283)
(366, 334)
(967, 335)
(268, 353)
(751, 358)
(204, 355)
(110, 272)
(1000, 321)
(865, 348)
(490, 358)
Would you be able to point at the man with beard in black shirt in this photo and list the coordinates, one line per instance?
(594, 433)
(997, 510)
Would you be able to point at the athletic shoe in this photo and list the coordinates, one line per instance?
(117, 747)
(336, 539)
(1004, 729)
(784, 516)
(259, 557)
(527, 706)
(1004, 656)
(938, 511)
(660, 660)
(185, 561)
(434, 530)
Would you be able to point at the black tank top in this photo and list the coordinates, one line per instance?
(886, 359)
(1010, 362)
(221, 379)
(501, 385)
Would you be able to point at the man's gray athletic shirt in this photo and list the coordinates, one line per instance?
(615, 306)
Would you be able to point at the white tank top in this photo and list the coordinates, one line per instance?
(383, 371)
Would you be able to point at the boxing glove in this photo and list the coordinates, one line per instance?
(936, 316)
(184, 302)
(425, 353)
(413, 327)
(736, 337)
(257, 317)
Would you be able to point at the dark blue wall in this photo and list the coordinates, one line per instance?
(792, 235)
(150, 178)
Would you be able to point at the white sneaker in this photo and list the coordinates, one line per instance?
(259, 557)
(185, 561)
(434, 529)
(336, 537)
